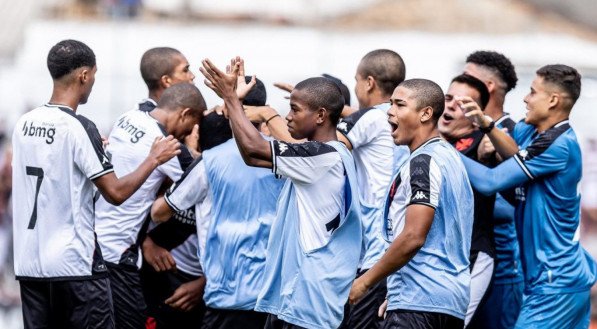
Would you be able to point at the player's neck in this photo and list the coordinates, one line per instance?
(155, 95)
(61, 98)
(552, 120)
(159, 115)
(495, 107)
(420, 139)
(324, 135)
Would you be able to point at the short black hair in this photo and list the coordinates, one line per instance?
(427, 93)
(157, 62)
(341, 85)
(257, 96)
(67, 56)
(323, 93)
(385, 66)
(183, 95)
(564, 77)
(213, 131)
(477, 85)
(497, 63)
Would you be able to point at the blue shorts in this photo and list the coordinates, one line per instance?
(501, 308)
(569, 311)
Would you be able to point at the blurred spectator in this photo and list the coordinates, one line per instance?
(122, 9)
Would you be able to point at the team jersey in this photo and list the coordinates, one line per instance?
(483, 221)
(437, 278)
(547, 170)
(375, 155)
(315, 241)
(507, 254)
(238, 233)
(119, 228)
(56, 156)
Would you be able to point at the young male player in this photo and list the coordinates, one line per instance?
(428, 220)
(504, 297)
(315, 240)
(367, 133)
(58, 158)
(237, 234)
(558, 272)
(120, 228)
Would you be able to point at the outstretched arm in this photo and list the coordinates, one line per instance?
(490, 181)
(254, 149)
(116, 190)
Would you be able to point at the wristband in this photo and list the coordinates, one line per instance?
(487, 129)
(273, 116)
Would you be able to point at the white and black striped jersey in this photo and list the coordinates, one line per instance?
(373, 150)
(57, 154)
(119, 227)
(317, 174)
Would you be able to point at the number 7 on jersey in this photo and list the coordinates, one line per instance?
(39, 173)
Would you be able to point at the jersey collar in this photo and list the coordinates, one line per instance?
(60, 106)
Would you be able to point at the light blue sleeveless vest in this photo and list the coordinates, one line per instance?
(310, 289)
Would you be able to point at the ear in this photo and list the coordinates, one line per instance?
(554, 100)
(490, 86)
(83, 75)
(321, 114)
(426, 114)
(165, 81)
(186, 113)
(371, 83)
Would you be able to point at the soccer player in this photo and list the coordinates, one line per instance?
(315, 240)
(504, 297)
(58, 161)
(120, 228)
(547, 169)
(428, 220)
(466, 138)
(367, 133)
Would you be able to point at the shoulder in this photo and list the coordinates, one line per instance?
(307, 149)
(558, 138)
(361, 117)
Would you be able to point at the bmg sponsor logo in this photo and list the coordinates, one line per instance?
(43, 130)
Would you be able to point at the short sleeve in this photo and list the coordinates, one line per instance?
(545, 155)
(190, 189)
(304, 162)
(363, 126)
(174, 167)
(425, 181)
(90, 156)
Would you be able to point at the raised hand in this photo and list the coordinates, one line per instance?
(242, 87)
(223, 84)
(472, 111)
(284, 86)
(164, 149)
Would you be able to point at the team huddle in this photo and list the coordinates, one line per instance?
(421, 209)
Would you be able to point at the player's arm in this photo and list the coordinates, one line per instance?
(406, 245)
(274, 122)
(116, 190)
(343, 139)
(254, 149)
(489, 181)
(161, 211)
(504, 145)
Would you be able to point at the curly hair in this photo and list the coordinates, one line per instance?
(497, 63)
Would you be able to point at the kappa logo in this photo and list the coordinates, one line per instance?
(523, 154)
(420, 196)
(105, 160)
(342, 126)
(282, 147)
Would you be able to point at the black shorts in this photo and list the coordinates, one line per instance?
(233, 319)
(159, 286)
(274, 323)
(404, 319)
(67, 304)
(363, 315)
(130, 310)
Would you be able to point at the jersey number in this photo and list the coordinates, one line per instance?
(39, 173)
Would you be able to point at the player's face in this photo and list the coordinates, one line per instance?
(403, 116)
(88, 84)
(537, 102)
(453, 124)
(360, 90)
(182, 72)
(302, 120)
(184, 124)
